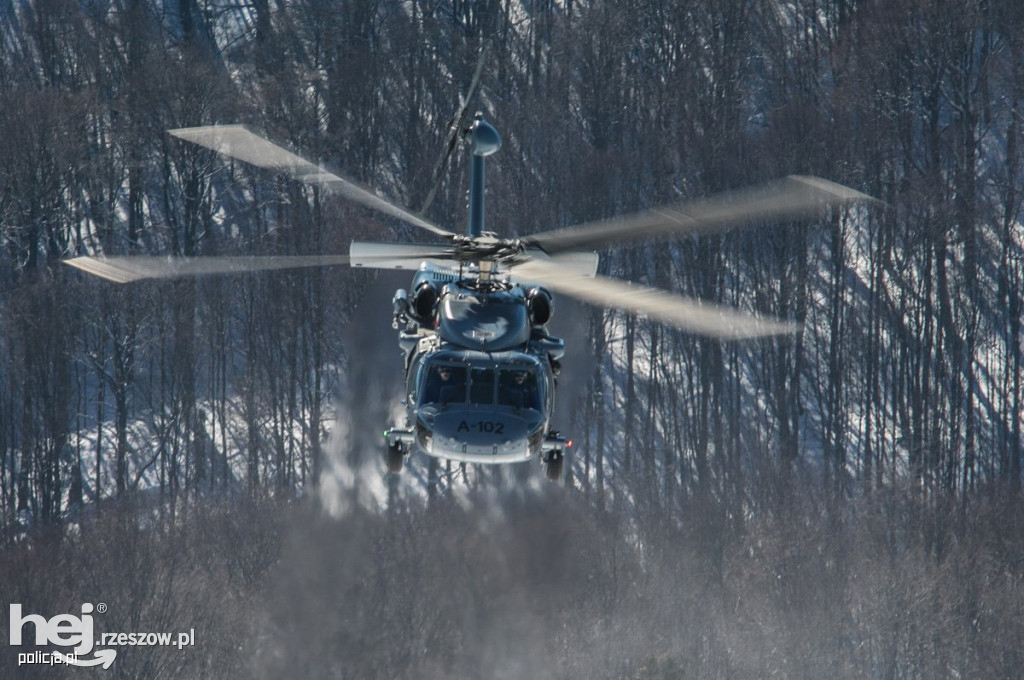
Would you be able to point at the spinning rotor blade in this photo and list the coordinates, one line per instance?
(137, 268)
(573, 262)
(399, 255)
(792, 197)
(456, 128)
(237, 141)
(689, 315)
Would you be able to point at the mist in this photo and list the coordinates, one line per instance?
(538, 583)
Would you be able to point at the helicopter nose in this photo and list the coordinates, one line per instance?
(482, 435)
(485, 139)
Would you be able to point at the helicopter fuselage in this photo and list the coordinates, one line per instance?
(480, 368)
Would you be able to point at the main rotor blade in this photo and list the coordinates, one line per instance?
(792, 197)
(456, 128)
(139, 267)
(689, 315)
(574, 262)
(237, 141)
(399, 255)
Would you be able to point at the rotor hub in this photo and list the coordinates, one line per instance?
(486, 248)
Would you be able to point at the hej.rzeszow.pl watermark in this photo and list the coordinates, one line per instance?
(78, 632)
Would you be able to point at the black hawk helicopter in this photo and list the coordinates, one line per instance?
(480, 365)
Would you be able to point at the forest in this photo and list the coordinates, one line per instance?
(838, 503)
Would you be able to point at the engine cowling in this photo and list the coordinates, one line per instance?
(424, 302)
(540, 305)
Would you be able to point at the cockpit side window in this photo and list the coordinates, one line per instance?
(444, 385)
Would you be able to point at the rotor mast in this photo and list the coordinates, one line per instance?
(484, 140)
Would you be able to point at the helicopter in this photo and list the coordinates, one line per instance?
(481, 366)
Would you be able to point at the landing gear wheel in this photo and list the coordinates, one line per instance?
(394, 458)
(554, 468)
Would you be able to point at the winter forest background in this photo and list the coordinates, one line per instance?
(843, 503)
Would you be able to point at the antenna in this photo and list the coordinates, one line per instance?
(484, 140)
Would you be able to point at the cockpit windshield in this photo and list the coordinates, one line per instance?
(516, 386)
(445, 385)
(481, 386)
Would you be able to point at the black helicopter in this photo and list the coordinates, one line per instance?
(481, 367)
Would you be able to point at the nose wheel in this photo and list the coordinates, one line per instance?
(397, 446)
(553, 454)
(394, 458)
(553, 468)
